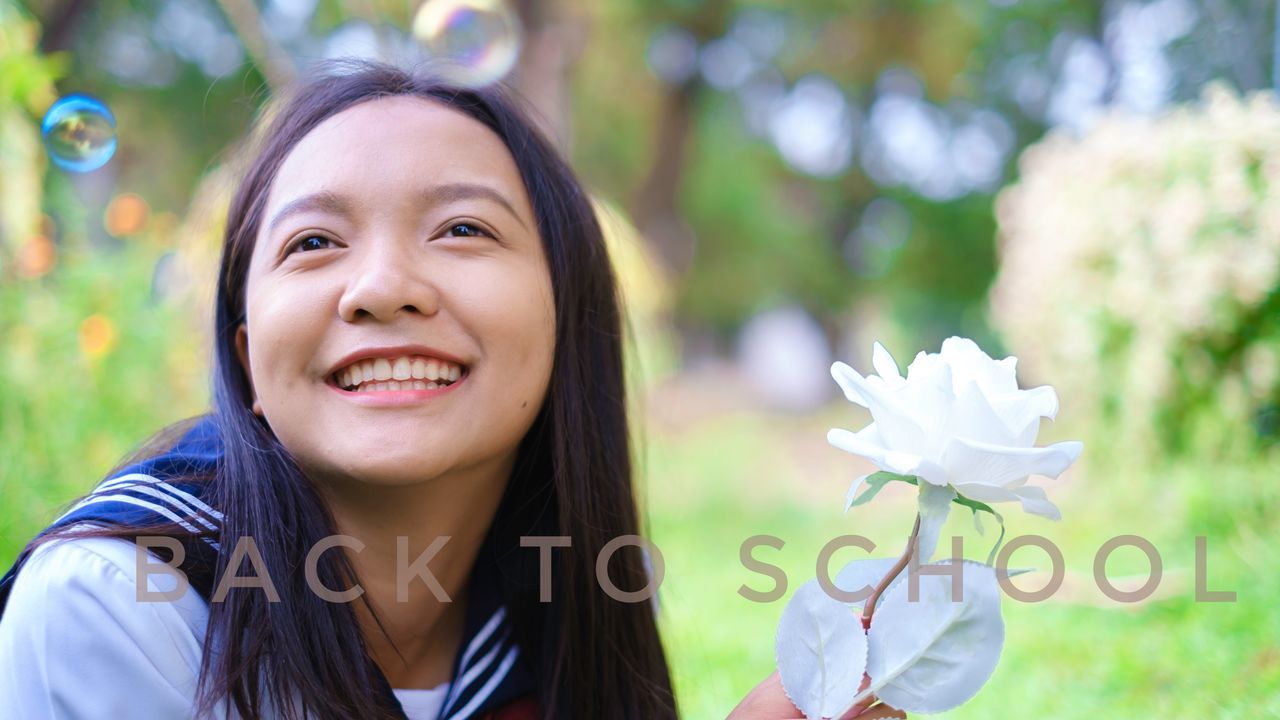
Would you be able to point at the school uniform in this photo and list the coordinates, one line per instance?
(76, 644)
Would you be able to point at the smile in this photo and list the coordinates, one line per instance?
(407, 372)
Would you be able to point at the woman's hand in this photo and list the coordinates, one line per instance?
(768, 701)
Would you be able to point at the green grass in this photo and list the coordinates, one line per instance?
(1075, 656)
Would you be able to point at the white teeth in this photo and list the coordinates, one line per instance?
(432, 386)
(400, 370)
(401, 373)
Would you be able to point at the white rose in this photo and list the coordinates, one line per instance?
(959, 423)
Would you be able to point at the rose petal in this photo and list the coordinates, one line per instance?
(984, 464)
(868, 444)
(886, 366)
(929, 368)
(895, 413)
(913, 415)
(970, 364)
(1021, 412)
(1036, 502)
(850, 381)
(973, 418)
(986, 493)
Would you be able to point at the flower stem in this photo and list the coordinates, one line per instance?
(869, 609)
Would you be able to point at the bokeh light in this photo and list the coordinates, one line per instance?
(97, 336)
(79, 133)
(36, 257)
(478, 41)
(126, 214)
(169, 278)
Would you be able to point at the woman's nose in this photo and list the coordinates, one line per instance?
(386, 279)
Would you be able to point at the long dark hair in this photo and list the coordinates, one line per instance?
(593, 656)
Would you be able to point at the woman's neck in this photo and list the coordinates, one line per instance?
(398, 526)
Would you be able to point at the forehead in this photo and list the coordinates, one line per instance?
(396, 143)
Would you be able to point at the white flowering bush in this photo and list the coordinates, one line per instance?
(1139, 267)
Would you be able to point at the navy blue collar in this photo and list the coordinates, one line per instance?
(489, 670)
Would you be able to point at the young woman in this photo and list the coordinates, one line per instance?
(417, 452)
(418, 353)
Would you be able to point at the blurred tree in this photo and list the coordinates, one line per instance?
(816, 152)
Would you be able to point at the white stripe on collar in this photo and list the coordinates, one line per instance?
(489, 686)
(467, 674)
(143, 477)
(130, 500)
(174, 502)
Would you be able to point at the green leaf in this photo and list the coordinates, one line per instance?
(875, 482)
(975, 506)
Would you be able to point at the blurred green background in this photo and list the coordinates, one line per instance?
(1091, 186)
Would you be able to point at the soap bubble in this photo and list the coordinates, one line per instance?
(80, 133)
(479, 40)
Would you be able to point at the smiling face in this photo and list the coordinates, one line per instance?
(398, 242)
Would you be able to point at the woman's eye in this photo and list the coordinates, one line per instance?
(311, 242)
(466, 230)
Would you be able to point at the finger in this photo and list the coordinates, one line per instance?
(879, 712)
(767, 701)
(870, 700)
(857, 710)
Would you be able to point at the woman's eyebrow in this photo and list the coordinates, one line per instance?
(321, 201)
(452, 192)
(436, 195)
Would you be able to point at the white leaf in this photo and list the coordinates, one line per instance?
(933, 655)
(821, 652)
(861, 574)
(902, 577)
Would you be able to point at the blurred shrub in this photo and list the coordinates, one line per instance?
(1139, 274)
(93, 364)
(26, 91)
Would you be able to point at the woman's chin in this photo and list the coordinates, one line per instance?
(353, 464)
